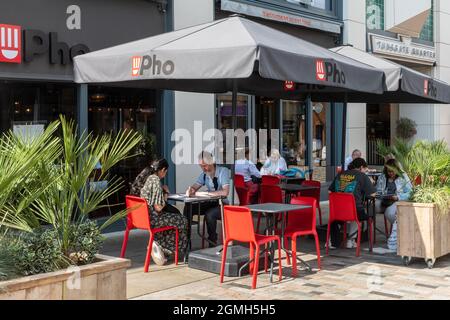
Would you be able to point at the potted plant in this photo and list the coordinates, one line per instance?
(424, 222)
(48, 240)
(406, 129)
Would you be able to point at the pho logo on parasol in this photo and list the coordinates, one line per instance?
(327, 71)
(10, 43)
(151, 64)
(320, 70)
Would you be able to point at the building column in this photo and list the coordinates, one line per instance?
(82, 108)
(354, 33)
(168, 115)
(442, 70)
(192, 108)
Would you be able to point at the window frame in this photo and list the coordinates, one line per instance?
(292, 8)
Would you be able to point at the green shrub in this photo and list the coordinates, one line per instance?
(406, 128)
(33, 253)
(23, 253)
(427, 163)
(86, 240)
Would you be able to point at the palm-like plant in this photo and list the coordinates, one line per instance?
(73, 196)
(428, 166)
(53, 175)
(19, 157)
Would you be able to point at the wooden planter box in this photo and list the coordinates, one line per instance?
(422, 233)
(103, 280)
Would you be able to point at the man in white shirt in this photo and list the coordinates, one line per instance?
(356, 154)
(248, 169)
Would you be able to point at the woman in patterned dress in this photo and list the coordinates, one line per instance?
(163, 214)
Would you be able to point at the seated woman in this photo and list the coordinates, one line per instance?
(275, 164)
(163, 214)
(394, 185)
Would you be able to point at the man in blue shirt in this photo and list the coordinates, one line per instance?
(217, 182)
(248, 169)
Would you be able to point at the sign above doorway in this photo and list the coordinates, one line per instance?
(402, 49)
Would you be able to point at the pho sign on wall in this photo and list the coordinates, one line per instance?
(402, 49)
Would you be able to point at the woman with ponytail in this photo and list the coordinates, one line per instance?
(163, 214)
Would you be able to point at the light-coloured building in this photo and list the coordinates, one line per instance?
(415, 34)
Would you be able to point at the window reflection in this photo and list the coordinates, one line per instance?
(294, 133)
(319, 148)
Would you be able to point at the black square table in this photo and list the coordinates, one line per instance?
(271, 210)
(292, 180)
(371, 202)
(291, 189)
(195, 200)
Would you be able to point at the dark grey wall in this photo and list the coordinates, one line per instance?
(104, 23)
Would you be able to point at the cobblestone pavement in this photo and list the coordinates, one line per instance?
(343, 277)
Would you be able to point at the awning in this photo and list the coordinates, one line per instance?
(402, 84)
(208, 57)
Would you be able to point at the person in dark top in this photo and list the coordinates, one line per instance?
(353, 181)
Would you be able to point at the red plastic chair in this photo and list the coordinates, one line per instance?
(139, 218)
(243, 195)
(239, 181)
(301, 223)
(313, 194)
(239, 227)
(269, 194)
(271, 180)
(343, 209)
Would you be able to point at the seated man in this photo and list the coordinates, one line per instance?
(217, 182)
(357, 182)
(248, 169)
(356, 154)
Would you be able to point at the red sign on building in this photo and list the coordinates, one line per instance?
(10, 43)
(289, 86)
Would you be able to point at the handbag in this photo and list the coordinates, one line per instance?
(293, 173)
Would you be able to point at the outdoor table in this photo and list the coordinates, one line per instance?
(371, 202)
(291, 189)
(271, 210)
(374, 175)
(291, 180)
(195, 200)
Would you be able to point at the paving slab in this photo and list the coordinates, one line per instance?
(343, 276)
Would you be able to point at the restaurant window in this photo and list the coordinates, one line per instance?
(375, 17)
(378, 130)
(35, 105)
(225, 119)
(319, 147)
(114, 109)
(294, 133)
(427, 33)
(267, 118)
(375, 14)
